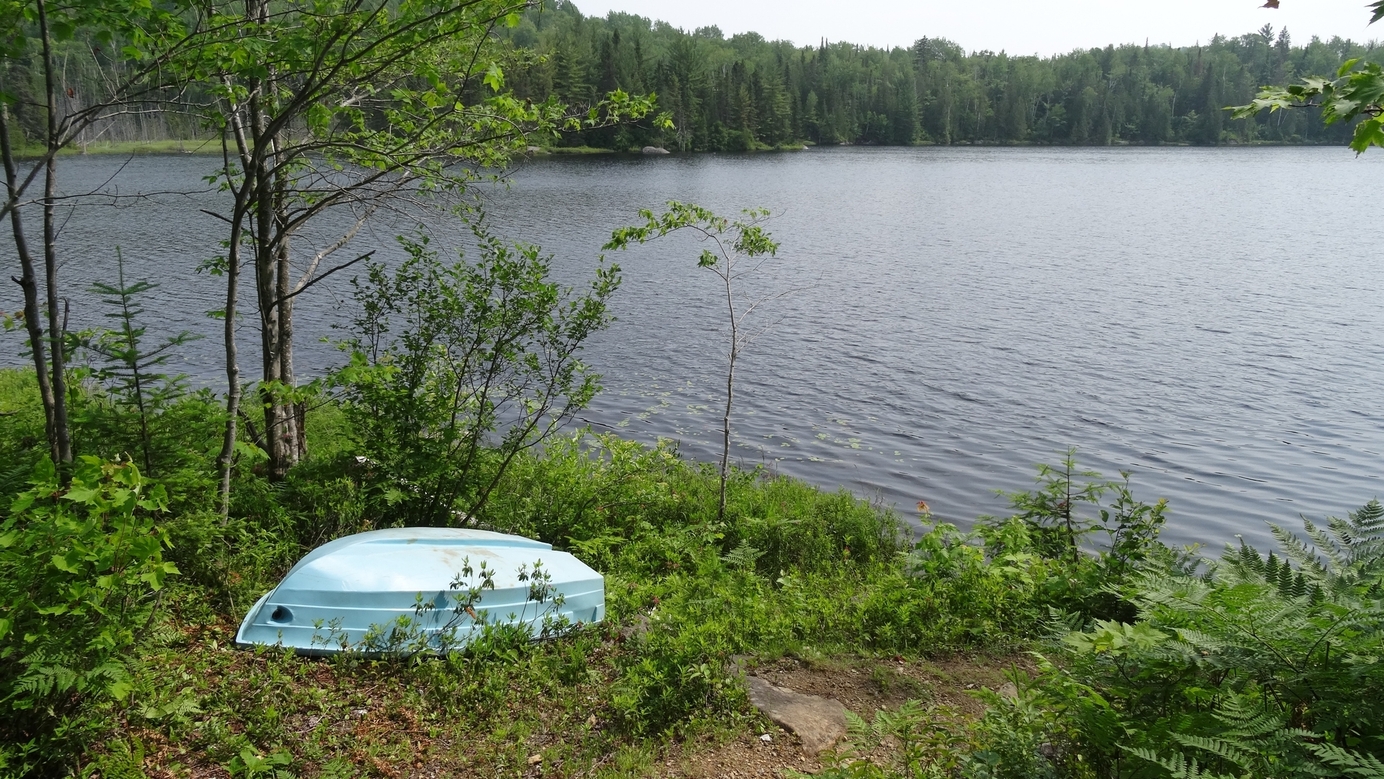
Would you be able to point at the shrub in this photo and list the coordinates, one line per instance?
(955, 592)
(1092, 553)
(444, 356)
(79, 570)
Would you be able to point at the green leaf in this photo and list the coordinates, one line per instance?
(22, 502)
(81, 493)
(495, 77)
(45, 472)
(1369, 132)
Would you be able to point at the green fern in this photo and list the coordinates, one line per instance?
(1352, 764)
(1253, 739)
(1178, 766)
(1352, 548)
(1273, 666)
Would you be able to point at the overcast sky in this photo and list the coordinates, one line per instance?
(1016, 26)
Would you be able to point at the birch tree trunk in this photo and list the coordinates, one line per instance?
(61, 440)
(28, 283)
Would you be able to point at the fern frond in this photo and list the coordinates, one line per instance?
(1356, 544)
(1285, 579)
(1228, 750)
(1199, 642)
(1245, 565)
(1351, 763)
(1367, 523)
(1177, 765)
(1247, 717)
(1325, 543)
(856, 726)
(1298, 588)
(1302, 555)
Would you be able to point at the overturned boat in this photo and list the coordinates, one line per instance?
(423, 589)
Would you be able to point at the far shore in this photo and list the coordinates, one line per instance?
(211, 146)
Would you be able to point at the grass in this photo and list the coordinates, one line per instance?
(577, 150)
(926, 639)
(190, 146)
(651, 685)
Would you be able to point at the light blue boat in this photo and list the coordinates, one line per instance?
(422, 589)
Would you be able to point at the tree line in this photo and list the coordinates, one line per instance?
(744, 92)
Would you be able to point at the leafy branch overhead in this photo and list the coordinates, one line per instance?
(1376, 8)
(1353, 94)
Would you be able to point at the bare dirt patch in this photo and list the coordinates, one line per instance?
(863, 686)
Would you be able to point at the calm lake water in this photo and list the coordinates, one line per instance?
(1205, 318)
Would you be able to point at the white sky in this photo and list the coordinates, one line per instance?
(1016, 26)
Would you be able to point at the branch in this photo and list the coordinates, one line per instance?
(304, 287)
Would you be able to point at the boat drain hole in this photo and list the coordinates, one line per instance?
(281, 614)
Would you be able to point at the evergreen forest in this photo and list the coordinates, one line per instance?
(744, 92)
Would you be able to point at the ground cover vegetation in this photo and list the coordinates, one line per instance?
(121, 597)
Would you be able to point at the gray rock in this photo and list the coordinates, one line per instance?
(654, 150)
(637, 629)
(818, 722)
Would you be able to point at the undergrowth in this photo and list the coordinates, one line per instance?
(1150, 661)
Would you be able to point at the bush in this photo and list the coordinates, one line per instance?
(954, 592)
(445, 355)
(1091, 553)
(79, 570)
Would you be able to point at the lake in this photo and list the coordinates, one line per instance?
(940, 319)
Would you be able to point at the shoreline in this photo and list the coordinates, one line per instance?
(207, 147)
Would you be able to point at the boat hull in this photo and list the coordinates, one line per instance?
(422, 589)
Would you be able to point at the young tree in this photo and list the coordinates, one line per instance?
(734, 245)
(132, 370)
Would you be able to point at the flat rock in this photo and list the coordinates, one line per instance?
(817, 722)
(654, 150)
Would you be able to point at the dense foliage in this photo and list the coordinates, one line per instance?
(1258, 665)
(79, 568)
